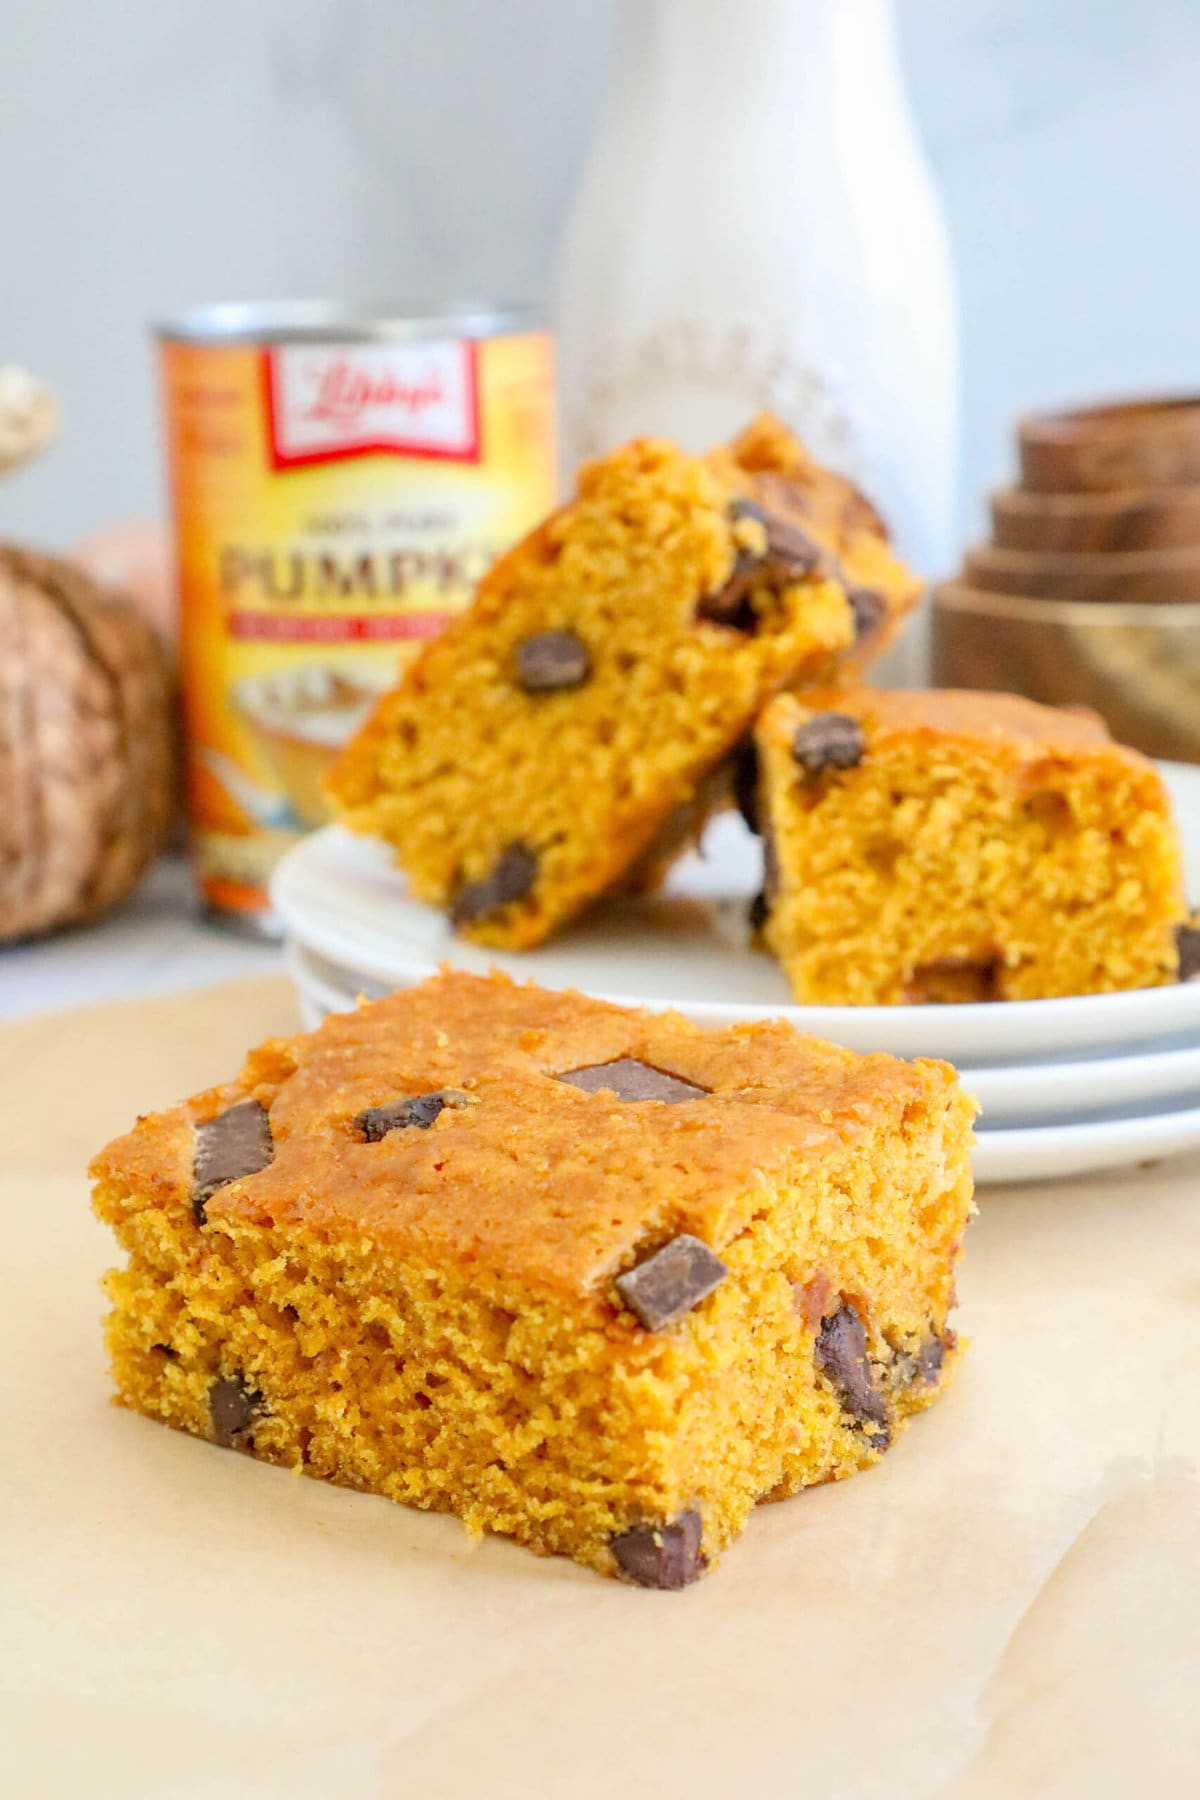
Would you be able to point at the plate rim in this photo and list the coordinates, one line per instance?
(1107, 1143)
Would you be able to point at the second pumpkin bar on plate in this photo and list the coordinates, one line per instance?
(926, 847)
(567, 736)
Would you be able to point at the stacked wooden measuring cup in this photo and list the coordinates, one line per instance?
(1089, 592)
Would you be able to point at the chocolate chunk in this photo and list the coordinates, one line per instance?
(669, 1283)
(841, 1356)
(630, 1079)
(662, 1556)
(236, 1143)
(745, 782)
(233, 1408)
(869, 609)
(932, 1355)
(552, 660)
(831, 740)
(790, 555)
(925, 1366)
(419, 1110)
(1187, 940)
(731, 605)
(511, 879)
(954, 981)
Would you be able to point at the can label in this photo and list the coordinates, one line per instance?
(335, 504)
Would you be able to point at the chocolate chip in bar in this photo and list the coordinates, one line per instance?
(233, 1408)
(662, 1556)
(954, 981)
(396, 1115)
(932, 1355)
(630, 1079)
(512, 877)
(790, 555)
(869, 609)
(831, 740)
(1187, 942)
(671, 1282)
(841, 1356)
(731, 605)
(551, 661)
(925, 1366)
(234, 1144)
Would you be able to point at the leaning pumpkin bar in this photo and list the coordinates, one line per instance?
(567, 736)
(962, 847)
(594, 1278)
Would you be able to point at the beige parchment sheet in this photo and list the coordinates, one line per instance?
(1008, 1605)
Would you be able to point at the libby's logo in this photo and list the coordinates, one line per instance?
(329, 402)
(344, 391)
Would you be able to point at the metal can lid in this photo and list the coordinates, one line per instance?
(339, 321)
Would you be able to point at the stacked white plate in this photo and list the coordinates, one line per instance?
(1066, 1086)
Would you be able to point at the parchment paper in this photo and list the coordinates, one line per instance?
(1008, 1605)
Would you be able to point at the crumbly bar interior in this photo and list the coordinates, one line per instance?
(413, 1362)
(966, 864)
(461, 764)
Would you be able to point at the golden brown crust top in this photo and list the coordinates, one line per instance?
(1030, 740)
(536, 1179)
(963, 713)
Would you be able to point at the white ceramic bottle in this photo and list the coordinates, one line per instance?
(756, 228)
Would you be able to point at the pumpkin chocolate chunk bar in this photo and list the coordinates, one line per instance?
(962, 847)
(594, 1278)
(568, 735)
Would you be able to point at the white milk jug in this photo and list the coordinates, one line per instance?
(756, 228)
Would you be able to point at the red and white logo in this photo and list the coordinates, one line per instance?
(326, 401)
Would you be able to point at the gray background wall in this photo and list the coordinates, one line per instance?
(157, 152)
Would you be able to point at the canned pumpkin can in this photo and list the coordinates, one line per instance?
(340, 479)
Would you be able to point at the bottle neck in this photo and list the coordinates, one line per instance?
(710, 47)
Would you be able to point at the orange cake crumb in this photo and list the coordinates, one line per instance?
(595, 1278)
(962, 847)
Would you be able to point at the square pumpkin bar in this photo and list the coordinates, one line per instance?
(594, 1278)
(963, 847)
(569, 734)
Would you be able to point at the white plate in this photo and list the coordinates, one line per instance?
(686, 948)
(1046, 1152)
(1033, 1093)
